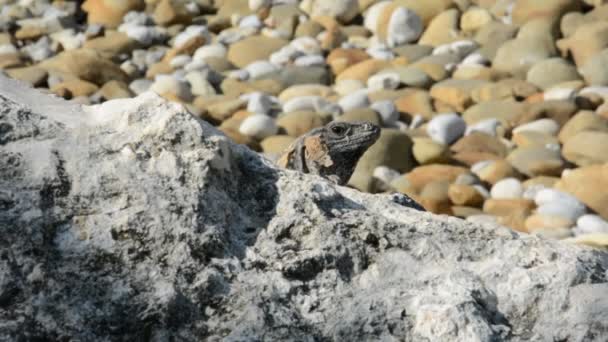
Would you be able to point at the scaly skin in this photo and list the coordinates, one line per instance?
(331, 151)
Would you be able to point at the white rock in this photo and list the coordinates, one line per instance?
(169, 84)
(380, 52)
(343, 10)
(545, 125)
(140, 86)
(463, 48)
(480, 165)
(446, 128)
(310, 60)
(590, 224)
(404, 26)
(260, 68)
(258, 126)
(559, 94)
(241, 75)
(306, 45)
(531, 191)
(358, 99)
(213, 50)
(138, 18)
(259, 103)
(7, 48)
(549, 195)
(599, 90)
(345, 87)
(417, 121)
(373, 13)
(386, 174)
(190, 32)
(507, 188)
(40, 50)
(387, 80)
(199, 85)
(68, 39)
(146, 35)
(251, 21)
(387, 111)
(302, 103)
(195, 65)
(487, 126)
(560, 209)
(180, 61)
(475, 59)
(255, 5)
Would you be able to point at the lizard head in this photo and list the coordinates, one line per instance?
(350, 137)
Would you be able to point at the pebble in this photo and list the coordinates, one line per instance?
(547, 126)
(259, 69)
(507, 188)
(168, 84)
(259, 103)
(557, 203)
(591, 224)
(487, 126)
(140, 86)
(258, 126)
(387, 110)
(358, 99)
(404, 26)
(207, 51)
(446, 128)
(382, 81)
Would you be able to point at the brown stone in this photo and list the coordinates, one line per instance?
(74, 87)
(85, 64)
(465, 195)
(109, 12)
(422, 175)
(497, 170)
(341, 59)
(300, 122)
(588, 184)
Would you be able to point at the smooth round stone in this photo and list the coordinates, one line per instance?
(199, 85)
(475, 59)
(39, 50)
(241, 75)
(258, 126)
(167, 84)
(373, 14)
(145, 35)
(381, 53)
(306, 45)
(259, 103)
(255, 5)
(550, 72)
(345, 87)
(532, 190)
(309, 60)
(547, 126)
(595, 71)
(590, 224)
(213, 50)
(358, 99)
(507, 188)
(538, 221)
(251, 21)
(387, 111)
(140, 86)
(258, 69)
(560, 209)
(389, 80)
(180, 61)
(404, 26)
(191, 32)
(487, 126)
(549, 195)
(599, 90)
(559, 94)
(446, 128)
(306, 103)
(385, 174)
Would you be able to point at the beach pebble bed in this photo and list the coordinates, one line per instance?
(490, 110)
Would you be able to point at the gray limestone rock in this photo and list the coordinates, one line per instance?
(133, 220)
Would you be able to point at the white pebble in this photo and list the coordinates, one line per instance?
(559, 94)
(404, 26)
(417, 121)
(258, 126)
(255, 5)
(140, 85)
(590, 224)
(7, 48)
(309, 60)
(310, 102)
(507, 188)
(199, 85)
(446, 128)
(345, 87)
(180, 61)
(260, 68)
(306, 45)
(251, 21)
(259, 103)
(169, 84)
(547, 126)
(190, 32)
(558, 203)
(213, 50)
(475, 59)
(387, 80)
(386, 174)
(358, 99)
(599, 90)
(387, 111)
(487, 126)
(373, 14)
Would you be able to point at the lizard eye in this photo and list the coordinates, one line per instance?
(338, 129)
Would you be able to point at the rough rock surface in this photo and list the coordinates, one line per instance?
(133, 220)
